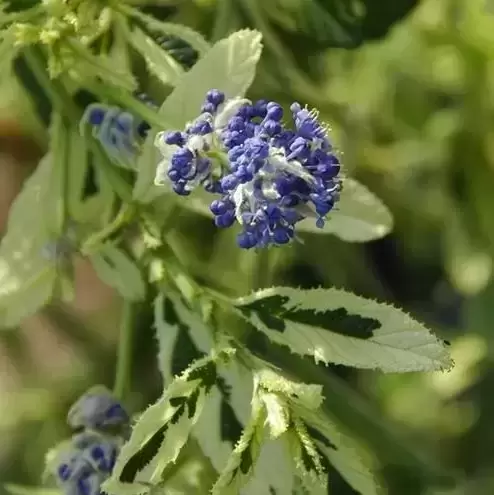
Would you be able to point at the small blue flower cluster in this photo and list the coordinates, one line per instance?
(86, 463)
(269, 176)
(87, 460)
(119, 131)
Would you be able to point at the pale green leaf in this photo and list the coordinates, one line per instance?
(359, 216)
(158, 61)
(336, 326)
(114, 267)
(228, 66)
(27, 275)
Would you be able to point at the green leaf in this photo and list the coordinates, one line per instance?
(119, 271)
(337, 23)
(359, 216)
(27, 275)
(228, 66)
(327, 26)
(339, 327)
(158, 61)
(161, 431)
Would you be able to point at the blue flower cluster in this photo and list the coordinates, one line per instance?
(268, 176)
(119, 131)
(88, 458)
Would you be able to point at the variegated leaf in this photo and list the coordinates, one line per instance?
(336, 326)
(158, 61)
(161, 431)
(182, 336)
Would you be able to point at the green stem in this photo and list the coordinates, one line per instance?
(124, 352)
(93, 241)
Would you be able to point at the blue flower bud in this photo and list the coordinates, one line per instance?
(274, 111)
(96, 115)
(175, 137)
(120, 132)
(97, 409)
(215, 97)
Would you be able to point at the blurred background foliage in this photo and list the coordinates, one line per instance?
(408, 88)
